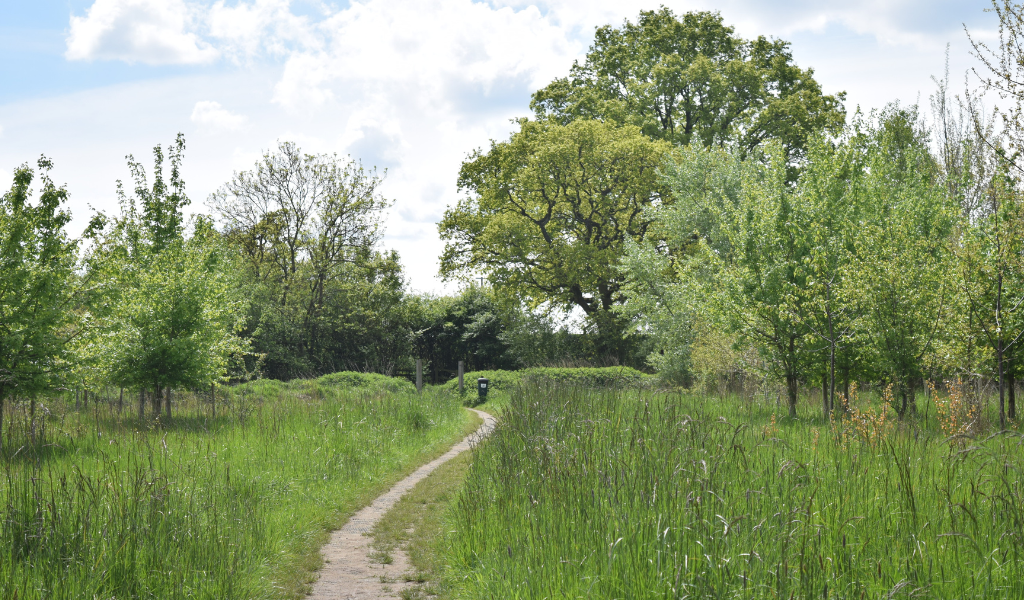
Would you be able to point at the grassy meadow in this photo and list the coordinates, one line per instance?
(98, 504)
(590, 493)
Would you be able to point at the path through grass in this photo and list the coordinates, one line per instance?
(103, 506)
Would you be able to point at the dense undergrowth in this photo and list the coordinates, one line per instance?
(585, 493)
(102, 505)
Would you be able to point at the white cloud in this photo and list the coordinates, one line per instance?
(154, 32)
(432, 49)
(213, 115)
(247, 30)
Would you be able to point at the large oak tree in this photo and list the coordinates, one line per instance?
(690, 79)
(547, 213)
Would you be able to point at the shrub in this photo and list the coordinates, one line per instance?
(578, 377)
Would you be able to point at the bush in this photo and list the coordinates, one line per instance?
(579, 377)
(371, 381)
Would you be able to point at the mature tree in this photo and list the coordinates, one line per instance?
(306, 227)
(36, 265)
(167, 312)
(548, 212)
(689, 79)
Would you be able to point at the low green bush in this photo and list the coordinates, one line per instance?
(372, 381)
(578, 377)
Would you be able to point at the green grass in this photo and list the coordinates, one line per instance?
(617, 494)
(105, 506)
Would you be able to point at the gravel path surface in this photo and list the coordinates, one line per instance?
(348, 573)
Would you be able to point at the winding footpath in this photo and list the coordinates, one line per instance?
(348, 572)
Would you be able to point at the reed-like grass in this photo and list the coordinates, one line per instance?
(613, 494)
(101, 505)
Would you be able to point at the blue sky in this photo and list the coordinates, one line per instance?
(407, 85)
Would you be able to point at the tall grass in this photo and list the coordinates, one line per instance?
(615, 494)
(102, 505)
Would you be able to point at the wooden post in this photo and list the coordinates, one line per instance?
(419, 375)
(462, 370)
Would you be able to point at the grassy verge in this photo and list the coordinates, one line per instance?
(416, 524)
(614, 494)
(103, 505)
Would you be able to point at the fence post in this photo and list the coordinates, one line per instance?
(462, 369)
(419, 375)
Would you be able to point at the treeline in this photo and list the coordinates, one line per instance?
(285, 279)
(696, 196)
(706, 205)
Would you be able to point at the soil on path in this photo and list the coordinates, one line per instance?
(349, 573)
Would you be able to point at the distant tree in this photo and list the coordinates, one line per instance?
(36, 284)
(166, 312)
(547, 215)
(689, 79)
(466, 327)
(323, 297)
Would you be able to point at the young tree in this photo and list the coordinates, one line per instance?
(899, 274)
(548, 214)
(36, 284)
(826, 210)
(688, 79)
(167, 312)
(735, 247)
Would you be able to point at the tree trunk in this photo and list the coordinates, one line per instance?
(157, 396)
(1002, 390)
(167, 400)
(85, 399)
(1011, 396)
(142, 404)
(2, 422)
(78, 401)
(824, 395)
(791, 389)
(120, 402)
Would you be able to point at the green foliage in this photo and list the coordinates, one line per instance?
(232, 507)
(322, 297)
(165, 309)
(690, 80)
(839, 272)
(366, 381)
(467, 327)
(601, 494)
(589, 377)
(36, 285)
(548, 213)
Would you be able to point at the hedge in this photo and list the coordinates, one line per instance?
(581, 377)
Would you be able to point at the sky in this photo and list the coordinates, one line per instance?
(407, 86)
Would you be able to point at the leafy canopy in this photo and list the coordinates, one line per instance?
(36, 283)
(688, 79)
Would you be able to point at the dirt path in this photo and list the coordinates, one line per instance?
(348, 572)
